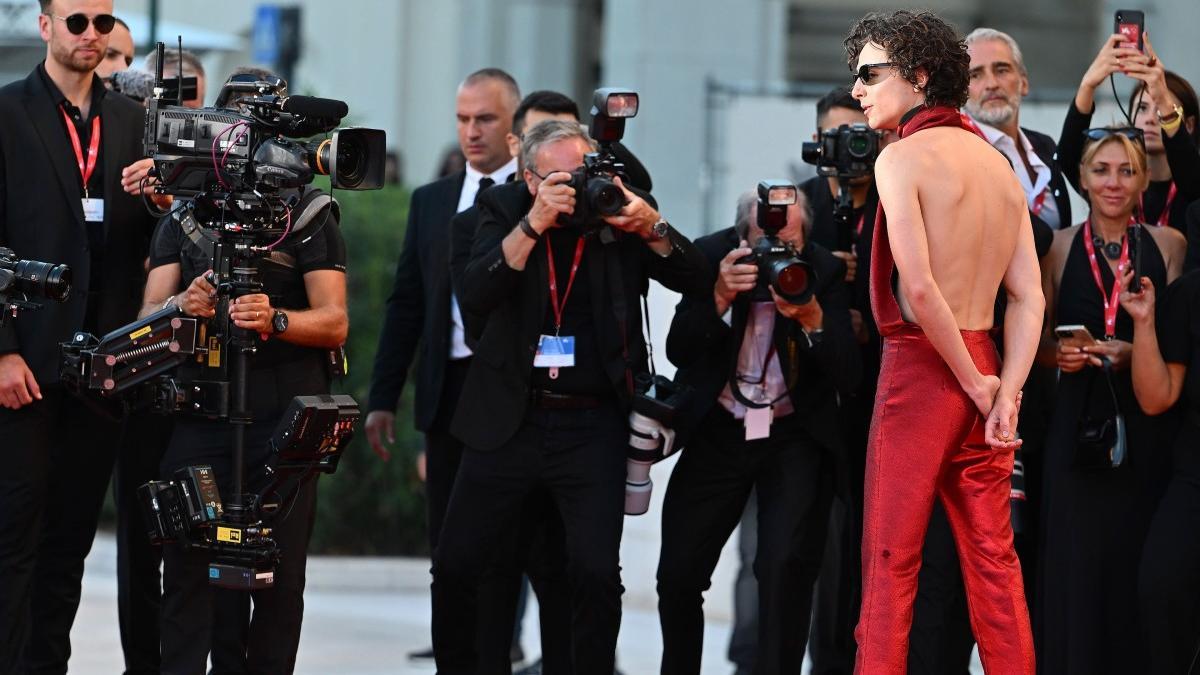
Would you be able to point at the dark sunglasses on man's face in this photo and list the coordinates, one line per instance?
(1132, 133)
(77, 23)
(868, 74)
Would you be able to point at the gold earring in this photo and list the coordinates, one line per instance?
(916, 88)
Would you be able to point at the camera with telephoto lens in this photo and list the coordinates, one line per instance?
(596, 194)
(849, 151)
(23, 280)
(779, 265)
(651, 435)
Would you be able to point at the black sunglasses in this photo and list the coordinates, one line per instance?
(867, 74)
(1101, 133)
(77, 23)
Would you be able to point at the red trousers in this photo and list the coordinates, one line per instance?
(927, 442)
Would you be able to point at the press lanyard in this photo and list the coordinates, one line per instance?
(85, 169)
(554, 303)
(1111, 305)
(1164, 218)
(862, 218)
(1039, 203)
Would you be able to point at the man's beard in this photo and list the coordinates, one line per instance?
(993, 115)
(67, 58)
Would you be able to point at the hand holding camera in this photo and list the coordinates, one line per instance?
(636, 216)
(734, 277)
(555, 197)
(808, 314)
(200, 298)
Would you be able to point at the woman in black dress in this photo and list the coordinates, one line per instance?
(1166, 366)
(1095, 521)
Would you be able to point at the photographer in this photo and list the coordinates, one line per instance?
(1164, 371)
(299, 315)
(1096, 515)
(64, 142)
(796, 358)
(534, 415)
(1164, 107)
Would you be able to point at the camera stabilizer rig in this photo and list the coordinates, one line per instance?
(21, 280)
(846, 153)
(238, 181)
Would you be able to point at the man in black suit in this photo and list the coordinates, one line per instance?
(422, 312)
(65, 143)
(767, 374)
(548, 392)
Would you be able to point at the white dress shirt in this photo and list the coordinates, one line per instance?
(759, 379)
(1034, 185)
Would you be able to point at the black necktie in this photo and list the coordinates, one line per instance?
(484, 183)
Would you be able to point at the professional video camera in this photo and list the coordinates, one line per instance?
(651, 435)
(846, 153)
(849, 151)
(311, 437)
(23, 280)
(596, 195)
(779, 265)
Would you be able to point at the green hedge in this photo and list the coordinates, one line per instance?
(372, 507)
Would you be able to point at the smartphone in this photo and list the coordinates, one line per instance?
(1130, 23)
(1074, 336)
(1135, 242)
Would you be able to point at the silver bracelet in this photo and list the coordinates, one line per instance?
(168, 303)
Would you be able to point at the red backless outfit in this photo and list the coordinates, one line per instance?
(927, 442)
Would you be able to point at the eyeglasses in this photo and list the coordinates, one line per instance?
(77, 23)
(1132, 133)
(866, 73)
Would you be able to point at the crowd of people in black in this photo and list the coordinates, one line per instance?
(524, 332)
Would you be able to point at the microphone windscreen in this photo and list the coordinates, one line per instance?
(312, 106)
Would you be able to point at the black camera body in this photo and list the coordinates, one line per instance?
(849, 151)
(596, 195)
(23, 280)
(780, 267)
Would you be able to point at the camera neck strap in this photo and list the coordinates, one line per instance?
(735, 382)
(1111, 303)
(86, 166)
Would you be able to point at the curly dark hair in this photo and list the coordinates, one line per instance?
(916, 40)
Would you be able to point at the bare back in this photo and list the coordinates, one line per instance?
(972, 208)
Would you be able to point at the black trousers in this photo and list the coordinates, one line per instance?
(1168, 583)
(144, 439)
(743, 639)
(197, 617)
(705, 498)
(940, 640)
(58, 456)
(578, 457)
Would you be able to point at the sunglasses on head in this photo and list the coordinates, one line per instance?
(1101, 133)
(77, 23)
(867, 74)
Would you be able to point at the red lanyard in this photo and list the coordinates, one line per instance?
(1110, 304)
(1164, 218)
(862, 218)
(85, 169)
(554, 303)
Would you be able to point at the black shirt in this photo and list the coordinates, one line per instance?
(1178, 327)
(281, 273)
(95, 184)
(578, 321)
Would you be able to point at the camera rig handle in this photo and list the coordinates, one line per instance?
(132, 354)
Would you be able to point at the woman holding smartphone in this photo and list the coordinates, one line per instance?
(1164, 106)
(1095, 520)
(1166, 368)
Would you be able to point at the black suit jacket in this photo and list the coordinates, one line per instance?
(705, 348)
(462, 233)
(496, 393)
(41, 217)
(418, 310)
(1047, 150)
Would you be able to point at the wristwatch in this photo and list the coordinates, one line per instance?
(658, 231)
(279, 322)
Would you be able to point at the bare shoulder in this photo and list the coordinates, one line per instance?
(1169, 240)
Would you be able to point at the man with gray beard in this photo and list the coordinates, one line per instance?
(998, 83)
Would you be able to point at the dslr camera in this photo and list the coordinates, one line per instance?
(779, 265)
(651, 436)
(23, 280)
(596, 195)
(849, 151)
